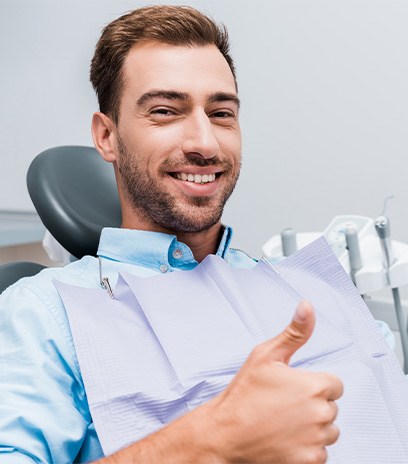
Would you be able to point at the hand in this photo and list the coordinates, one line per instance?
(272, 413)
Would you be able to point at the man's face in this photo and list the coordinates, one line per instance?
(179, 141)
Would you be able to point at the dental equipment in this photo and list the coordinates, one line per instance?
(383, 228)
(289, 243)
(361, 245)
(351, 234)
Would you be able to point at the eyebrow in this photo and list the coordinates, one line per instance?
(166, 94)
(224, 97)
(184, 96)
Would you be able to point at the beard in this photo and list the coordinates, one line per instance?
(150, 199)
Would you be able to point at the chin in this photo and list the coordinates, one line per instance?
(195, 220)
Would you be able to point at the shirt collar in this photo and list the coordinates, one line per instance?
(152, 249)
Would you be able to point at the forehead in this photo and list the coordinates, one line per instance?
(195, 70)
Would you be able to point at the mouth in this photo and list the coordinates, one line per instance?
(196, 178)
(197, 184)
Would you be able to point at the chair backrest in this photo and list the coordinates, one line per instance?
(74, 192)
(11, 272)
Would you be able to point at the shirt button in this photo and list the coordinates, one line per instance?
(163, 268)
(177, 254)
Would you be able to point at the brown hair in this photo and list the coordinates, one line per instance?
(174, 25)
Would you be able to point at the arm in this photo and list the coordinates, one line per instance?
(269, 413)
(43, 409)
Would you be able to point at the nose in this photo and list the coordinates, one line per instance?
(199, 136)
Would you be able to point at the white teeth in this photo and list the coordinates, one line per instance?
(196, 178)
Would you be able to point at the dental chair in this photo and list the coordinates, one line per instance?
(11, 272)
(74, 192)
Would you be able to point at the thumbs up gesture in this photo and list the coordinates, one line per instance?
(272, 413)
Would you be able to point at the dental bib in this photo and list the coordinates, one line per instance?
(168, 343)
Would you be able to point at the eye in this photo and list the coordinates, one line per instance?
(225, 117)
(222, 114)
(162, 112)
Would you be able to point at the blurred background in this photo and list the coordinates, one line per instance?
(324, 90)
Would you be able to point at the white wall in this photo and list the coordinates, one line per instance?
(324, 86)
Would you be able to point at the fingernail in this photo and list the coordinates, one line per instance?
(301, 313)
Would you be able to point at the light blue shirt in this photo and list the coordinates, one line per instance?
(44, 413)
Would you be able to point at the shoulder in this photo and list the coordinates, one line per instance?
(41, 286)
(32, 308)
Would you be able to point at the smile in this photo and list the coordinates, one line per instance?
(196, 178)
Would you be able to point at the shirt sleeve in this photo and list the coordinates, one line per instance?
(387, 334)
(43, 409)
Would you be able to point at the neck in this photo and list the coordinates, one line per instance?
(201, 243)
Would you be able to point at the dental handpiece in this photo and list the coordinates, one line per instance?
(351, 234)
(289, 243)
(383, 228)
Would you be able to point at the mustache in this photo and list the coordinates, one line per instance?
(195, 160)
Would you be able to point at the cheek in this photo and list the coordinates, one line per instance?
(231, 145)
(149, 147)
(157, 143)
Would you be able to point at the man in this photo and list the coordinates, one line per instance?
(168, 122)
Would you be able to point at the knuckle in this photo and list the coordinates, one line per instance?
(293, 335)
(327, 435)
(317, 386)
(330, 385)
(333, 435)
(326, 413)
(315, 455)
(336, 384)
(334, 409)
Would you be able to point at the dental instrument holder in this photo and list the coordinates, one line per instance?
(383, 228)
(372, 276)
(289, 243)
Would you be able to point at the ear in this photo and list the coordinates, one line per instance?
(104, 136)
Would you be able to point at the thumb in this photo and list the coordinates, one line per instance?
(296, 334)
